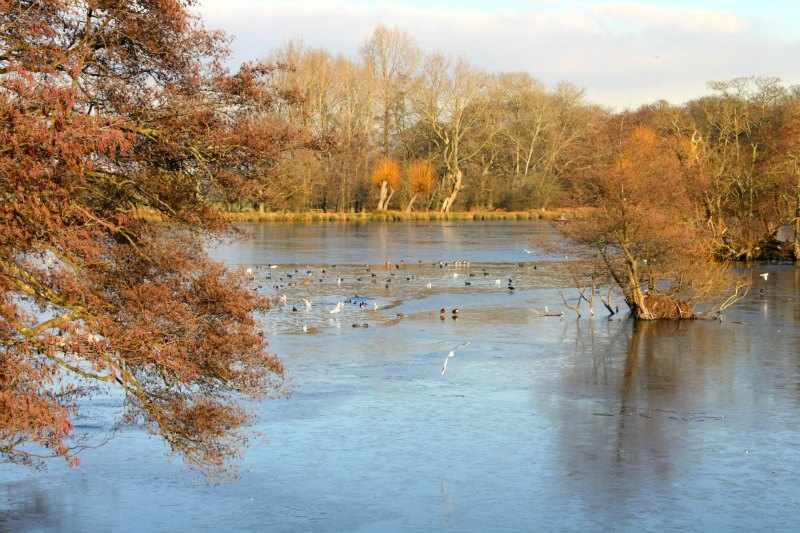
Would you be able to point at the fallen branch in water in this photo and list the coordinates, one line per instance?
(607, 303)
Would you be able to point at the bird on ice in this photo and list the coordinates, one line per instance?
(529, 252)
(307, 302)
(337, 309)
(273, 266)
(284, 299)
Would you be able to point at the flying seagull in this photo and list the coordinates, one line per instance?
(765, 275)
(451, 354)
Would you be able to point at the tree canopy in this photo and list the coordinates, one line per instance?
(108, 107)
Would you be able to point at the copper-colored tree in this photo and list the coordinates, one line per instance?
(421, 180)
(647, 227)
(387, 176)
(107, 107)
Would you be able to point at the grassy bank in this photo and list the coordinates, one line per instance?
(400, 216)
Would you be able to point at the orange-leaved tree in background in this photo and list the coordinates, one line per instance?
(421, 180)
(386, 176)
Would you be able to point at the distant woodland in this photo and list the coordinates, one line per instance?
(398, 128)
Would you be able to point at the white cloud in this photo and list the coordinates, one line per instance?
(646, 16)
(623, 53)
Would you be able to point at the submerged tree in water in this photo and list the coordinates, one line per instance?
(648, 227)
(107, 108)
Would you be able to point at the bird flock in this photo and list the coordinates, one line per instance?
(310, 297)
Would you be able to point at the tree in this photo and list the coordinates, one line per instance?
(647, 229)
(390, 56)
(787, 166)
(387, 176)
(449, 100)
(421, 179)
(735, 134)
(107, 108)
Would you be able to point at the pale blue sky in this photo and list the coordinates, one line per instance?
(623, 52)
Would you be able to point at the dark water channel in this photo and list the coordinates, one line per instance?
(539, 423)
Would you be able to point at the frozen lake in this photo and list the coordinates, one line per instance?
(538, 423)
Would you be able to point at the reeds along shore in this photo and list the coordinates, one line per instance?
(400, 216)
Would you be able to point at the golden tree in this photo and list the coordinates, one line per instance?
(421, 179)
(387, 176)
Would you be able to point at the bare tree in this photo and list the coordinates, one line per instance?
(391, 57)
(450, 100)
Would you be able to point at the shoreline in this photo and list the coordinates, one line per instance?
(565, 213)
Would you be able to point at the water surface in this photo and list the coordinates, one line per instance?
(538, 424)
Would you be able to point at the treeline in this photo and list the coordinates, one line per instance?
(424, 131)
(397, 128)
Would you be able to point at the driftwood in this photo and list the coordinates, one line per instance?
(607, 303)
(548, 313)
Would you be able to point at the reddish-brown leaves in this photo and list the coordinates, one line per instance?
(106, 108)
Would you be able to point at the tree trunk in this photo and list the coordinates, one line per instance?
(383, 200)
(634, 296)
(448, 202)
(651, 305)
(388, 199)
(410, 205)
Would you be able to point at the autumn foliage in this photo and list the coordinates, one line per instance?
(387, 176)
(421, 180)
(648, 228)
(107, 107)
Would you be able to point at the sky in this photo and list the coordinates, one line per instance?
(623, 53)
